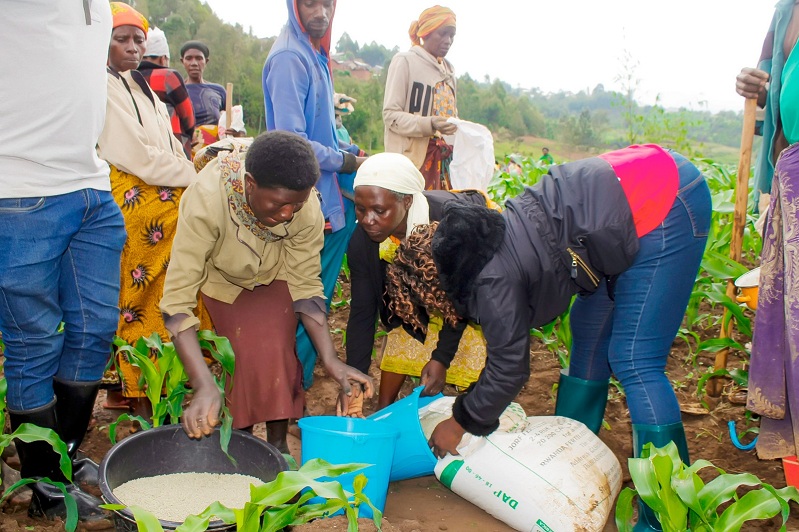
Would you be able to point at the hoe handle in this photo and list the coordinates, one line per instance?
(738, 225)
(229, 108)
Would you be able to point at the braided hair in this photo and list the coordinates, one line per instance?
(412, 284)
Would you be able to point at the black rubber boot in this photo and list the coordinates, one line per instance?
(74, 408)
(37, 460)
(582, 400)
(659, 435)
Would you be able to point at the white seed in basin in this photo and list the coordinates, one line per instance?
(176, 496)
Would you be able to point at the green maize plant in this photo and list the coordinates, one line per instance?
(293, 498)
(682, 501)
(557, 337)
(340, 300)
(505, 185)
(28, 432)
(166, 380)
(716, 268)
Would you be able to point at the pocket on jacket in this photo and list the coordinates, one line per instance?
(582, 274)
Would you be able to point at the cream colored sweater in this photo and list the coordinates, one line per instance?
(408, 102)
(137, 138)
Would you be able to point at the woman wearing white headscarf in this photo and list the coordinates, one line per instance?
(390, 201)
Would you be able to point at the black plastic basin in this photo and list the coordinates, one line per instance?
(167, 449)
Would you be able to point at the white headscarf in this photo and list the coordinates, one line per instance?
(156, 43)
(395, 172)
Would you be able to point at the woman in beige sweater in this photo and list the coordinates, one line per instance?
(149, 172)
(249, 236)
(420, 96)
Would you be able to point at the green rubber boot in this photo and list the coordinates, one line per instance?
(659, 435)
(582, 400)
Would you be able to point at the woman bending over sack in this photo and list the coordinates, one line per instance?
(625, 231)
(389, 202)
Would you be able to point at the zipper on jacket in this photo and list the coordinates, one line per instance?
(577, 261)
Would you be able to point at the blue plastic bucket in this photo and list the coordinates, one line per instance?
(412, 457)
(342, 440)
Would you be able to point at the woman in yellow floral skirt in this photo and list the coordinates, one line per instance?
(148, 174)
(389, 201)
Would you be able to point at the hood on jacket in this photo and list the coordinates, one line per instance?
(296, 25)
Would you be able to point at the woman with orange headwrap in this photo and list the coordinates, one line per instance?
(420, 96)
(149, 172)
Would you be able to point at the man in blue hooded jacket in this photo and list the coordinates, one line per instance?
(298, 94)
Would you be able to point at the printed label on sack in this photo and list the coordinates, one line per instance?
(541, 526)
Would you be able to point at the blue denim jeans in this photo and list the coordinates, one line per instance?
(631, 336)
(59, 262)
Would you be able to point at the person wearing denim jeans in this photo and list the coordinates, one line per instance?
(631, 335)
(61, 234)
(624, 231)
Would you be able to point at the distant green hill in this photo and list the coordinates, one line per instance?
(585, 122)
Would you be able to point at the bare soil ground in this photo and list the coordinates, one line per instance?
(423, 504)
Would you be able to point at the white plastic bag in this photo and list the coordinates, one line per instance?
(554, 476)
(472, 165)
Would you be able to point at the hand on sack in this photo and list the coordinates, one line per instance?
(446, 437)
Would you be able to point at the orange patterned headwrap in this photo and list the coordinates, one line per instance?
(124, 15)
(429, 21)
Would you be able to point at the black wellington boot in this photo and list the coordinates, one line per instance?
(38, 460)
(74, 408)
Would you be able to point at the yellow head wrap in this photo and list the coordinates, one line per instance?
(430, 20)
(124, 15)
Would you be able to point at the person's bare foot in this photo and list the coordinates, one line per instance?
(116, 401)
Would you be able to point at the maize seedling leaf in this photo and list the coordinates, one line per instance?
(674, 513)
(756, 504)
(145, 521)
(194, 523)
(112, 428)
(624, 510)
(71, 523)
(29, 432)
(276, 519)
(248, 519)
(722, 488)
(220, 349)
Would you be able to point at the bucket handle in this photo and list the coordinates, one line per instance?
(735, 441)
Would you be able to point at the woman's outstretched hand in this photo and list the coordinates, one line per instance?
(434, 376)
(355, 386)
(350, 405)
(446, 437)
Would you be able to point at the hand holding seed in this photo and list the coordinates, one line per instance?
(202, 414)
(350, 405)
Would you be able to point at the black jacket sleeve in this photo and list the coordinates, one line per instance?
(504, 314)
(364, 305)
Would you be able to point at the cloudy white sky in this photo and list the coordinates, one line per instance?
(687, 51)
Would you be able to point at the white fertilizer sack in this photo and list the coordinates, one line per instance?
(555, 475)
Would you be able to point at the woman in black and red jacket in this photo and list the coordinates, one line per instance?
(625, 232)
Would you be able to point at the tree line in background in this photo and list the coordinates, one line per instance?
(591, 119)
